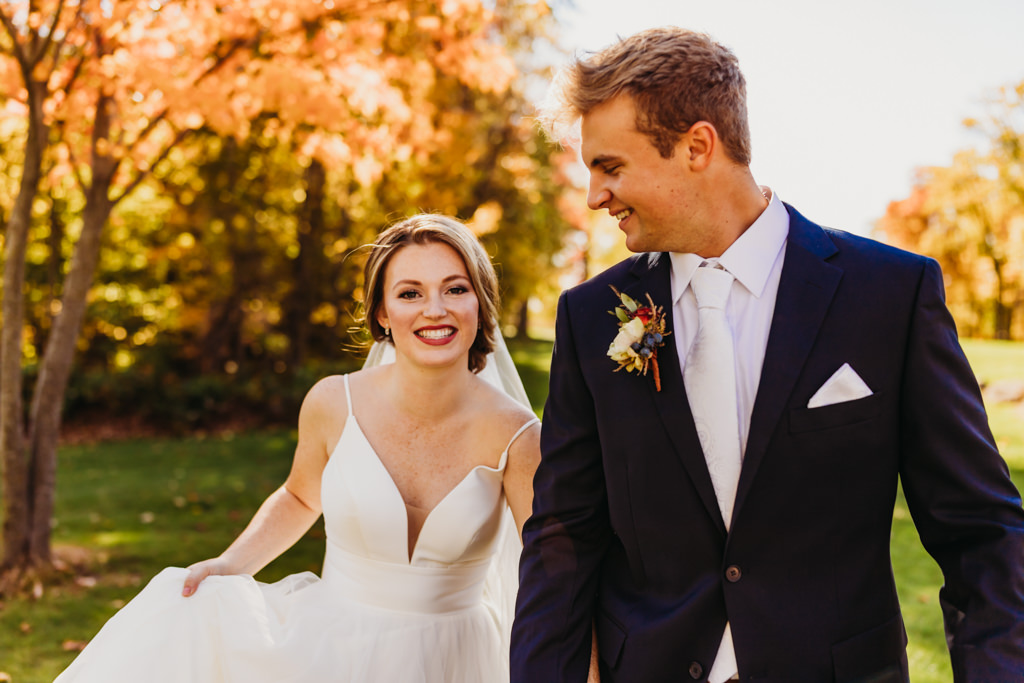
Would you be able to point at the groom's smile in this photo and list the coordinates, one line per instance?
(629, 178)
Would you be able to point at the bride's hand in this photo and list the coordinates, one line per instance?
(200, 570)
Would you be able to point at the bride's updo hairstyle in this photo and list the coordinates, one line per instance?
(435, 229)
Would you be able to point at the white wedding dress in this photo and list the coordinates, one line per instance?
(376, 614)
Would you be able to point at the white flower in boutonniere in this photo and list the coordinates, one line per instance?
(641, 334)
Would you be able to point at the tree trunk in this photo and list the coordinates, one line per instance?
(305, 267)
(55, 368)
(222, 339)
(1002, 312)
(18, 512)
(523, 320)
(55, 243)
(1004, 321)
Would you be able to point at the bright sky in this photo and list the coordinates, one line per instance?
(846, 99)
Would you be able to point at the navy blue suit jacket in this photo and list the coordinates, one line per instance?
(626, 533)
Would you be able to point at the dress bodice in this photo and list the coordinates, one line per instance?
(367, 531)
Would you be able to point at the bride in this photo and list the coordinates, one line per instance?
(411, 462)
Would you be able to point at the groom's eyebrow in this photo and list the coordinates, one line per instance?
(604, 160)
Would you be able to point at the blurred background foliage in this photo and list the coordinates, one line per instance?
(229, 277)
(969, 216)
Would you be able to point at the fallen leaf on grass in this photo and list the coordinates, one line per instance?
(85, 581)
(25, 627)
(74, 645)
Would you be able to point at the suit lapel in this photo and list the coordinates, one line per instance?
(806, 288)
(653, 274)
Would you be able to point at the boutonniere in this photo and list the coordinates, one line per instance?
(641, 334)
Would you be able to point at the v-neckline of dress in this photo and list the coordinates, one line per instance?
(398, 493)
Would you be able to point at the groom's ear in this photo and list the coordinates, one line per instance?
(699, 144)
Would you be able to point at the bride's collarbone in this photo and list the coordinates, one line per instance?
(450, 441)
(425, 457)
(475, 426)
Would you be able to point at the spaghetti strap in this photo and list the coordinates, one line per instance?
(504, 455)
(348, 398)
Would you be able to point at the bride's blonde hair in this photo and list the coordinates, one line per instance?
(435, 229)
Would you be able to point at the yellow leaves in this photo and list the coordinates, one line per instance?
(486, 219)
(165, 49)
(9, 113)
(428, 24)
(325, 314)
(193, 119)
(102, 147)
(11, 83)
(356, 78)
(367, 169)
(969, 215)
(486, 66)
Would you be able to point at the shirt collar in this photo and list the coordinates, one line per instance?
(750, 258)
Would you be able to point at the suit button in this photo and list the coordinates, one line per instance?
(696, 670)
(733, 574)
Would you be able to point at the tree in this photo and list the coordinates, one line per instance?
(109, 90)
(31, 45)
(970, 217)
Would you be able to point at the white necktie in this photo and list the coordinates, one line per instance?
(710, 380)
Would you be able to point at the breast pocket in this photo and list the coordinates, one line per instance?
(836, 415)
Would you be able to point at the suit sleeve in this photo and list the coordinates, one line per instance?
(967, 510)
(564, 540)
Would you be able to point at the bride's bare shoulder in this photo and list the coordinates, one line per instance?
(326, 397)
(501, 409)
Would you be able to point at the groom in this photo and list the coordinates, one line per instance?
(754, 547)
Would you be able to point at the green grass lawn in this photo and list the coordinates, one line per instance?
(134, 507)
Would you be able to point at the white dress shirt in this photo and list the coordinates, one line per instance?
(755, 260)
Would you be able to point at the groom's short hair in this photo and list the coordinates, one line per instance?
(675, 77)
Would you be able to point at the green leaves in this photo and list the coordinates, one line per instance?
(629, 303)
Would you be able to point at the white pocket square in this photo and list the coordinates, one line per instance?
(844, 385)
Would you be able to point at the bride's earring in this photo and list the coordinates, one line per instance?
(387, 332)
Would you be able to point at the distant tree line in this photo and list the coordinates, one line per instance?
(970, 217)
